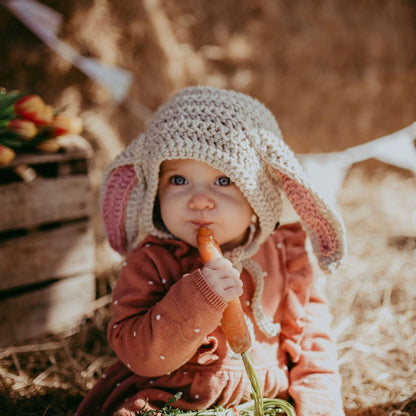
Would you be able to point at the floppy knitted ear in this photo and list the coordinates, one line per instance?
(324, 227)
(322, 224)
(116, 194)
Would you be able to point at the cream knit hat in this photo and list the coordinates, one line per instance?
(233, 133)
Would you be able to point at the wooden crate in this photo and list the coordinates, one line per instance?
(47, 280)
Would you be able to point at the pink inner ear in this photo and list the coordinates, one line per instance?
(114, 205)
(304, 204)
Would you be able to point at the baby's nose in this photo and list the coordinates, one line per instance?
(201, 200)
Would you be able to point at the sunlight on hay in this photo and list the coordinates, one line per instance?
(373, 296)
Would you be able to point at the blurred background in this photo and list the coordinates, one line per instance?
(335, 73)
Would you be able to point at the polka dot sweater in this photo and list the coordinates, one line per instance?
(166, 333)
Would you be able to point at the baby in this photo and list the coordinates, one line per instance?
(216, 158)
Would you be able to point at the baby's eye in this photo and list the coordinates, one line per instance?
(223, 181)
(178, 180)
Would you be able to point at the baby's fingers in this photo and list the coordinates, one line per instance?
(224, 280)
(230, 293)
(228, 288)
(220, 263)
(218, 269)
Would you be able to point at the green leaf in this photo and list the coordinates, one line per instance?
(7, 113)
(10, 98)
(271, 407)
(14, 143)
(173, 399)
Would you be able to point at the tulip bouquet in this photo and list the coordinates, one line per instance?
(28, 124)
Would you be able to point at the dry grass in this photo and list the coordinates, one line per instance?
(49, 375)
(335, 73)
(372, 297)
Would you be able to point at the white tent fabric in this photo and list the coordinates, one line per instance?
(328, 170)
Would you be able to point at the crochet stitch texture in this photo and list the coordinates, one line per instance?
(236, 134)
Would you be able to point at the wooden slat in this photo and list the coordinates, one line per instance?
(55, 308)
(25, 205)
(45, 255)
(36, 158)
(73, 147)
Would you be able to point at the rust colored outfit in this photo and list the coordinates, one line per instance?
(166, 333)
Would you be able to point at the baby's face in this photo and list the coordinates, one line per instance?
(194, 194)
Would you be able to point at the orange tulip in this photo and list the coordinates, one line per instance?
(6, 155)
(44, 116)
(49, 145)
(25, 129)
(65, 124)
(28, 105)
(33, 108)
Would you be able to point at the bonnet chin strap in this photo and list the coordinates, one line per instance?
(117, 192)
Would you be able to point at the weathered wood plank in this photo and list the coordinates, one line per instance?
(53, 309)
(25, 205)
(39, 256)
(73, 147)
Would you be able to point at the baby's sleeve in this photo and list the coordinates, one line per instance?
(157, 326)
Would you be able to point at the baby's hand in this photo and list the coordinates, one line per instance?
(223, 278)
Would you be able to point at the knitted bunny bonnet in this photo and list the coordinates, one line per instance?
(235, 134)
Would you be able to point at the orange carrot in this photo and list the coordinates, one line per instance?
(233, 322)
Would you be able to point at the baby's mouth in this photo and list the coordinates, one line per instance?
(201, 223)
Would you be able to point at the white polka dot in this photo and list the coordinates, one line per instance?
(197, 330)
(185, 372)
(125, 263)
(196, 396)
(128, 365)
(264, 274)
(115, 302)
(134, 333)
(151, 282)
(151, 381)
(147, 245)
(158, 317)
(162, 357)
(279, 245)
(115, 326)
(164, 281)
(104, 376)
(248, 302)
(118, 384)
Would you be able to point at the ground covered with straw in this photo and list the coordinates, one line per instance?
(372, 299)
